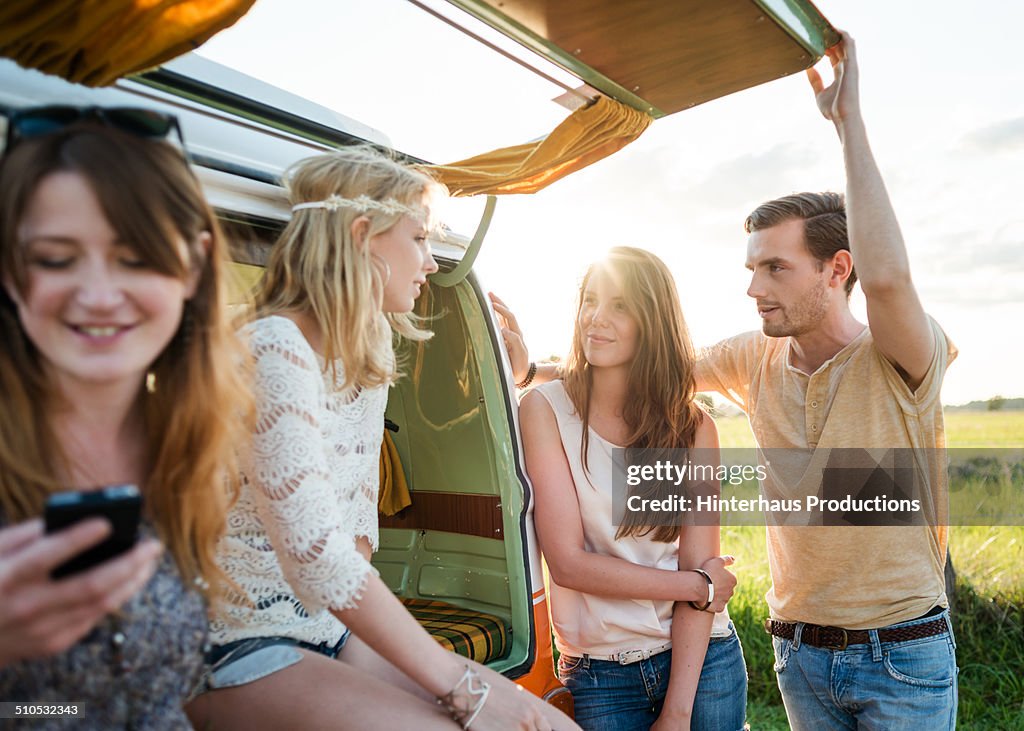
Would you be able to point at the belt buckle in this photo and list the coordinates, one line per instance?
(628, 657)
(843, 646)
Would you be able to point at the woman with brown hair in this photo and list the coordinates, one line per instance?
(637, 596)
(119, 367)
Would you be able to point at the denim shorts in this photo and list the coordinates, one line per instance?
(244, 661)
(613, 697)
(896, 686)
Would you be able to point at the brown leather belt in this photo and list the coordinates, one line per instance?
(837, 638)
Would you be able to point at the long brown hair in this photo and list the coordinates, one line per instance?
(316, 266)
(659, 411)
(199, 409)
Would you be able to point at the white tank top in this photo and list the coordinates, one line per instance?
(596, 625)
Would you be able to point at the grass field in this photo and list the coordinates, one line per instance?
(988, 600)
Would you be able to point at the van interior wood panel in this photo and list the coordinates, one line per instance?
(673, 55)
(474, 515)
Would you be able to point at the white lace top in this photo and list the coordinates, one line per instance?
(309, 488)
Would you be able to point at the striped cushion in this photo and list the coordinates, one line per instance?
(478, 636)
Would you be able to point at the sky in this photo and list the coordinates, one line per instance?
(942, 93)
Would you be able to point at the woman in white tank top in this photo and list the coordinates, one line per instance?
(637, 603)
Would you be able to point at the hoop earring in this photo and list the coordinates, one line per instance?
(387, 268)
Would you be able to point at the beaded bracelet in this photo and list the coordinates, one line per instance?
(529, 376)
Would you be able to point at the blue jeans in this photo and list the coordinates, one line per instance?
(613, 697)
(883, 686)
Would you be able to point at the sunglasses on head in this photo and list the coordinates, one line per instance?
(24, 124)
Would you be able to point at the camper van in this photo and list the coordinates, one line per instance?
(463, 555)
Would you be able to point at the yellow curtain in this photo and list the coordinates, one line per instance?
(394, 490)
(95, 42)
(586, 136)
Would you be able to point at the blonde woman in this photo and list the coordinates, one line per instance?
(119, 366)
(315, 639)
(637, 608)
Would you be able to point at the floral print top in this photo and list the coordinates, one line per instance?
(134, 670)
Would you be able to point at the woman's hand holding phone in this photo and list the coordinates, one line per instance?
(40, 616)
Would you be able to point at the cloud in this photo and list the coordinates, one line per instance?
(935, 250)
(984, 298)
(1007, 248)
(998, 137)
(737, 181)
(1002, 254)
(979, 288)
(968, 267)
(654, 181)
(1006, 257)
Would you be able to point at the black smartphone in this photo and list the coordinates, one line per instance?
(120, 504)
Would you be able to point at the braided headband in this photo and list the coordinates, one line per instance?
(363, 203)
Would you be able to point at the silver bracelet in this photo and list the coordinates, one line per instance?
(476, 688)
(711, 591)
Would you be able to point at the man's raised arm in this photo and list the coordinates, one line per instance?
(898, 323)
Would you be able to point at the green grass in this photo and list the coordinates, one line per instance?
(984, 428)
(988, 599)
(734, 432)
(963, 429)
(989, 623)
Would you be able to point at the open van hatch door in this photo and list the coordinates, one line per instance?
(662, 57)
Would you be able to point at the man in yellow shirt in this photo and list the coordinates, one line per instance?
(860, 623)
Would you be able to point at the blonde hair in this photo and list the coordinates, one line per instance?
(659, 410)
(318, 267)
(200, 409)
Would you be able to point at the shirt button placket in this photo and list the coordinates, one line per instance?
(812, 411)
